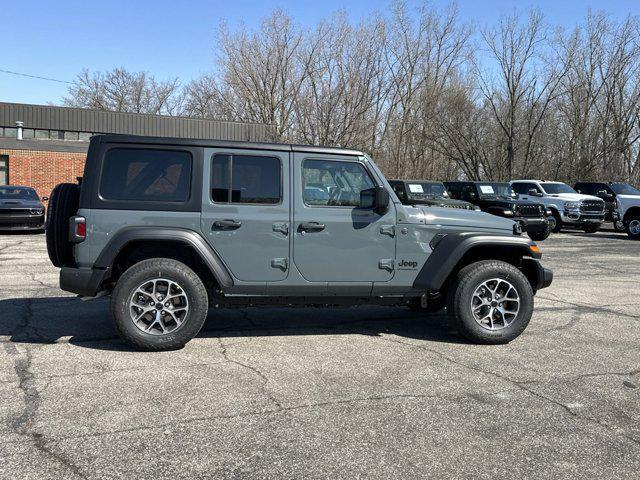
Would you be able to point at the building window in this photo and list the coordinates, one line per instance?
(10, 132)
(71, 135)
(4, 169)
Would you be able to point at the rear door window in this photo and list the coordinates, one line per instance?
(136, 174)
(250, 179)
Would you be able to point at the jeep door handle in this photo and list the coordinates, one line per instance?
(226, 224)
(311, 227)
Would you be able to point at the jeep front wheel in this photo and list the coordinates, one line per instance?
(491, 302)
(159, 304)
(555, 221)
(540, 236)
(633, 227)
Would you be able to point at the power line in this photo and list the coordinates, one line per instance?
(35, 76)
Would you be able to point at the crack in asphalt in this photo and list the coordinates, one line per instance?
(523, 386)
(263, 377)
(24, 422)
(586, 306)
(281, 409)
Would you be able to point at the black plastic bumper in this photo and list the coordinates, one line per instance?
(83, 281)
(21, 222)
(532, 224)
(539, 276)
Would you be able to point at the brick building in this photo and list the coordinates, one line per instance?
(41, 146)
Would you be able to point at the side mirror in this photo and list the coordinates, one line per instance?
(534, 193)
(44, 199)
(376, 199)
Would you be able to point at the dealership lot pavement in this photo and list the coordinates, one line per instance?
(319, 393)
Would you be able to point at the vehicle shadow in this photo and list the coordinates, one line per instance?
(88, 324)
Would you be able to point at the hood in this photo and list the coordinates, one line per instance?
(502, 202)
(627, 201)
(573, 197)
(467, 220)
(18, 203)
(438, 201)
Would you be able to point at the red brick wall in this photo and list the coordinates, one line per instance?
(43, 170)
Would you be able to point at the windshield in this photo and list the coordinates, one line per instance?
(624, 189)
(428, 189)
(495, 190)
(18, 193)
(553, 188)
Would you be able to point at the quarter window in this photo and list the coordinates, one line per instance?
(333, 183)
(146, 175)
(246, 179)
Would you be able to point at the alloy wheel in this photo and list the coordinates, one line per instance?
(158, 306)
(495, 304)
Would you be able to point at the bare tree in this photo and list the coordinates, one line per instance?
(123, 91)
(421, 91)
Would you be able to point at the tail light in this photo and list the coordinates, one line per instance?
(77, 229)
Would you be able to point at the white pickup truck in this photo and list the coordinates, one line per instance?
(569, 208)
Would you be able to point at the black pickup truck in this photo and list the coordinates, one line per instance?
(420, 192)
(498, 198)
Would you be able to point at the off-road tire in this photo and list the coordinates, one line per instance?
(63, 204)
(540, 236)
(460, 296)
(590, 228)
(147, 270)
(619, 226)
(630, 226)
(558, 225)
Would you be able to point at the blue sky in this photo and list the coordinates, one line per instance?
(171, 38)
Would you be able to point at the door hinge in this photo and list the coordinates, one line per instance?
(386, 264)
(281, 263)
(388, 230)
(281, 227)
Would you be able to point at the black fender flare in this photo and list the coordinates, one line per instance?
(189, 237)
(452, 247)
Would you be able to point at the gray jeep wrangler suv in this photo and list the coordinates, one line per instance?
(169, 227)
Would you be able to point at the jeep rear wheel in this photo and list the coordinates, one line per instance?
(159, 304)
(491, 302)
(633, 227)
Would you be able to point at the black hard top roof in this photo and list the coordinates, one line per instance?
(476, 182)
(187, 142)
(416, 181)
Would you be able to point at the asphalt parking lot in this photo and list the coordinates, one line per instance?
(318, 393)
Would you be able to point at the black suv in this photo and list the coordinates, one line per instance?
(498, 198)
(605, 191)
(420, 192)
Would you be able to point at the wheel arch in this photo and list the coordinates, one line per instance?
(631, 211)
(455, 251)
(134, 244)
